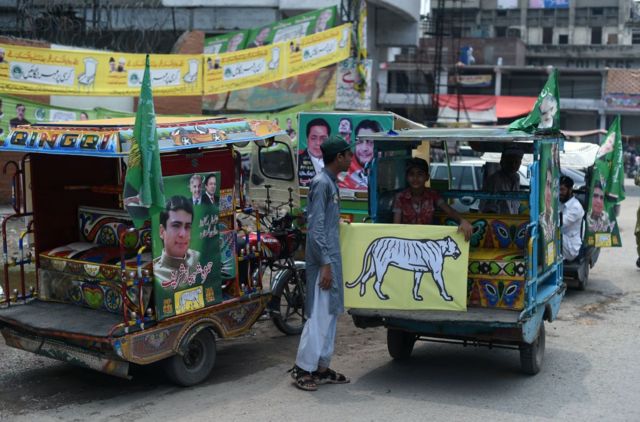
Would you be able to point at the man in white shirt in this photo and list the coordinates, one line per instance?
(572, 215)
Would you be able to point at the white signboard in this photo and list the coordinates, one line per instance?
(347, 98)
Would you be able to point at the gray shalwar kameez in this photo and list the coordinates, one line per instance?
(323, 247)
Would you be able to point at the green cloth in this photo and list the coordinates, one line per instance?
(545, 116)
(143, 190)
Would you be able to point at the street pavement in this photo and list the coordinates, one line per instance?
(590, 371)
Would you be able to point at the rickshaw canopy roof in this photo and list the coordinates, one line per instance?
(113, 137)
(578, 155)
(461, 135)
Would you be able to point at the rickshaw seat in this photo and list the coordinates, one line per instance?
(87, 272)
(497, 259)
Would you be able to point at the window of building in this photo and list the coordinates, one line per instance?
(513, 33)
(547, 35)
(563, 39)
(501, 12)
(596, 35)
(635, 37)
(597, 11)
(501, 31)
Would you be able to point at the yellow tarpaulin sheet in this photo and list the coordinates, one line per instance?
(390, 266)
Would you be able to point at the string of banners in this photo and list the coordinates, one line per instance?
(41, 71)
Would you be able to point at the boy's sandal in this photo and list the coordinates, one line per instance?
(304, 380)
(330, 377)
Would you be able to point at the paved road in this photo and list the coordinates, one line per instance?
(590, 372)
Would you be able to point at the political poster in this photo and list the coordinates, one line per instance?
(318, 50)
(316, 128)
(41, 71)
(404, 267)
(348, 78)
(232, 41)
(292, 28)
(606, 191)
(549, 205)
(187, 246)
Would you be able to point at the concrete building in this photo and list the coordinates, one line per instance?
(594, 44)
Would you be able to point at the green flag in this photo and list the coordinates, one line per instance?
(606, 190)
(609, 163)
(545, 116)
(143, 189)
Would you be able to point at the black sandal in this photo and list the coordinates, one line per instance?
(330, 377)
(304, 380)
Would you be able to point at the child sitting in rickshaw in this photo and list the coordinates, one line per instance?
(417, 203)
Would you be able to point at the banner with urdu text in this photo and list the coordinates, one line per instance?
(256, 66)
(406, 267)
(42, 71)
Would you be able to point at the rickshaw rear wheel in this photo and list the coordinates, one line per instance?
(196, 363)
(583, 275)
(531, 355)
(400, 343)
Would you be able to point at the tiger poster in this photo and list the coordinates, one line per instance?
(404, 267)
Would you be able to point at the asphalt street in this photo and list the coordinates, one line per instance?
(590, 371)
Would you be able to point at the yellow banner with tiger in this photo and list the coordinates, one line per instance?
(405, 267)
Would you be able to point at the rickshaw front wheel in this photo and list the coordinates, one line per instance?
(531, 355)
(196, 363)
(400, 343)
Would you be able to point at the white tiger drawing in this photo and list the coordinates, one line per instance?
(190, 297)
(419, 256)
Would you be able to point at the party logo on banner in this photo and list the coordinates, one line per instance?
(405, 267)
(232, 71)
(43, 71)
(318, 50)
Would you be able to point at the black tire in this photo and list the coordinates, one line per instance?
(400, 343)
(583, 275)
(532, 355)
(197, 362)
(289, 304)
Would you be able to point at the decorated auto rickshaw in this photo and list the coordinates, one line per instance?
(109, 294)
(576, 162)
(427, 282)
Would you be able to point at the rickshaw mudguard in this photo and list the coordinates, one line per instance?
(67, 353)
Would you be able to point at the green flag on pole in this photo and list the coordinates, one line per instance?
(606, 190)
(143, 189)
(545, 116)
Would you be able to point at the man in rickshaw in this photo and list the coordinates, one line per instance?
(504, 180)
(572, 215)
